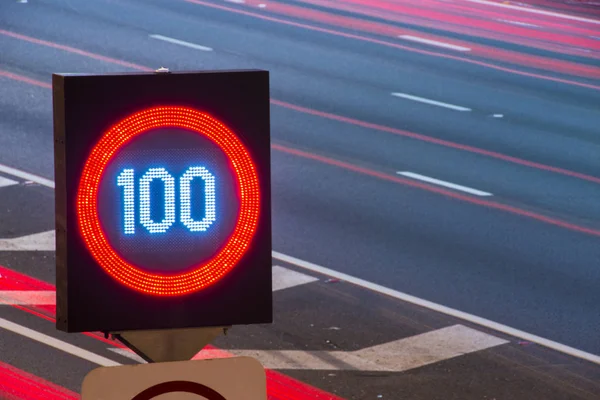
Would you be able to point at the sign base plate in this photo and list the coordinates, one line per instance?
(236, 378)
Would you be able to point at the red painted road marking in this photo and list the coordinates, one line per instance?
(11, 280)
(16, 384)
(279, 386)
(38, 297)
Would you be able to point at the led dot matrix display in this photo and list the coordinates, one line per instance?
(204, 273)
(163, 200)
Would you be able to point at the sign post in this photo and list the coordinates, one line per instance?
(163, 208)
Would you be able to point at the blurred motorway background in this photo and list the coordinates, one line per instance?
(443, 149)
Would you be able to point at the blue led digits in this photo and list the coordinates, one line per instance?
(145, 218)
(185, 195)
(125, 179)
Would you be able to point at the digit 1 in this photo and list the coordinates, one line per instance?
(125, 179)
(185, 195)
(145, 219)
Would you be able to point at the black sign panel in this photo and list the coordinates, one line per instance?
(163, 214)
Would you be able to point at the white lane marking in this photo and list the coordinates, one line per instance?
(284, 278)
(236, 1)
(517, 23)
(28, 297)
(44, 241)
(429, 101)
(262, 5)
(535, 11)
(438, 308)
(181, 43)
(127, 353)
(396, 356)
(4, 182)
(434, 43)
(56, 343)
(443, 183)
(562, 348)
(26, 175)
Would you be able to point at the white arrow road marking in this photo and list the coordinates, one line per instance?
(44, 241)
(6, 182)
(284, 278)
(397, 356)
(427, 348)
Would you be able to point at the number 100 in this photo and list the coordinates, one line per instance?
(126, 179)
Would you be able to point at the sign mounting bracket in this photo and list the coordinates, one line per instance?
(165, 345)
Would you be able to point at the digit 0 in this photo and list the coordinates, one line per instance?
(185, 199)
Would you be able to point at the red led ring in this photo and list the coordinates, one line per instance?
(201, 275)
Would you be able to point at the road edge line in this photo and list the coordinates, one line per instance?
(593, 358)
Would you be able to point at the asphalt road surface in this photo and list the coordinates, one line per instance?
(416, 146)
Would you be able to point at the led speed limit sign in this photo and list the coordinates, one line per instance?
(163, 200)
(174, 221)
